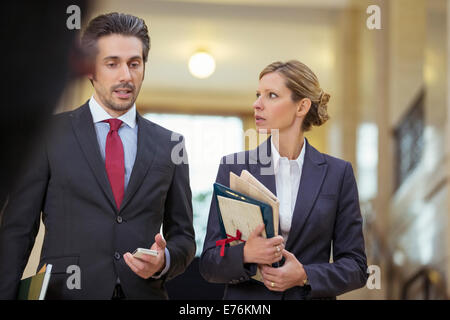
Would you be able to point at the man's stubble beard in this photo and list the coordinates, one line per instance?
(117, 107)
(110, 104)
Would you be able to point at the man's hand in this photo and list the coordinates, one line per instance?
(258, 249)
(148, 265)
(291, 274)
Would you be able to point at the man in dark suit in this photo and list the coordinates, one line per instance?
(326, 215)
(106, 181)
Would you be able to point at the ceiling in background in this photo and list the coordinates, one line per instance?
(274, 3)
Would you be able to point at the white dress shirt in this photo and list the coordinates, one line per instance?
(287, 178)
(128, 132)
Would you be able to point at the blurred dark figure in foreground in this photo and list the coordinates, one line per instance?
(39, 58)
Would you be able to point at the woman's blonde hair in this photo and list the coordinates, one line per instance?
(304, 84)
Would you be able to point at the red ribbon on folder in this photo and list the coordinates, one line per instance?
(229, 239)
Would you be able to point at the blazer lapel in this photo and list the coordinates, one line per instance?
(313, 174)
(83, 127)
(144, 157)
(262, 168)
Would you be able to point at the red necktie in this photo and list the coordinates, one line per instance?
(114, 160)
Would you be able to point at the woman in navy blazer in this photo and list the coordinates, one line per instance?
(321, 246)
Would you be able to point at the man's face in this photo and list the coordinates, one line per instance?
(119, 72)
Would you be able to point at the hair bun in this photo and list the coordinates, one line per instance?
(322, 107)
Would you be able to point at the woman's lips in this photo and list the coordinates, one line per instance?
(259, 120)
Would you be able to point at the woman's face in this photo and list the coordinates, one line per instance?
(274, 108)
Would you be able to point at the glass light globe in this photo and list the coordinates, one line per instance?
(202, 65)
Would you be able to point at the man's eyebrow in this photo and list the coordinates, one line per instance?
(118, 58)
(111, 58)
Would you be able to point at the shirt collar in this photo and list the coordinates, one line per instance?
(276, 156)
(99, 114)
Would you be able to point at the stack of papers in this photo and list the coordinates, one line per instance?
(244, 206)
(251, 187)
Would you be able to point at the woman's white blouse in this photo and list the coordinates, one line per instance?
(287, 178)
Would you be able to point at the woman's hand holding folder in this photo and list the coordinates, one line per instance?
(260, 250)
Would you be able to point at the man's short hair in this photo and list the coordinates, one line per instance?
(115, 23)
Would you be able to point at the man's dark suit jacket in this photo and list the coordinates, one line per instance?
(67, 181)
(326, 215)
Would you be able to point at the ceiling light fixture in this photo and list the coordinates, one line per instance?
(202, 65)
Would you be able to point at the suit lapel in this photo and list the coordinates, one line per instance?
(144, 157)
(313, 174)
(83, 127)
(262, 168)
